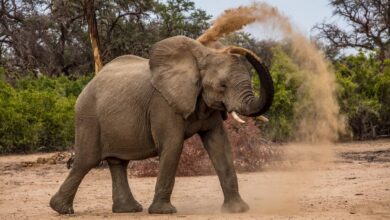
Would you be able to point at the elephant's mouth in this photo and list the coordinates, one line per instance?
(236, 116)
(219, 106)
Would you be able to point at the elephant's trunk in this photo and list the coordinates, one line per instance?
(254, 106)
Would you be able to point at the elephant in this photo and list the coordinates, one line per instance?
(136, 108)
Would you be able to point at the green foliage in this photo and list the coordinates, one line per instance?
(364, 94)
(287, 79)
(61, 85)
(38, 114)
(181, 17)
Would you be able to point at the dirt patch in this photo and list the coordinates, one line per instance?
(378, 156)
(355, 190)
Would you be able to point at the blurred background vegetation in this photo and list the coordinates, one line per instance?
(46, 60)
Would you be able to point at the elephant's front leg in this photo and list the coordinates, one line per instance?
(218, 147)
(169, 141)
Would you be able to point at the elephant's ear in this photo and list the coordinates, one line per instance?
(175, 72)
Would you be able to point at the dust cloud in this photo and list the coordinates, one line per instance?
(319, 120)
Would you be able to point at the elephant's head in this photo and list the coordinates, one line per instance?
(183, 69)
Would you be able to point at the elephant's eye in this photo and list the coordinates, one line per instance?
(221, 87)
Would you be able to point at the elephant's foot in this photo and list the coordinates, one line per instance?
(162, 208)
(235, 206)
(61, 205)
(126, 206)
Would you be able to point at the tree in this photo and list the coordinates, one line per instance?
(126, 27)
(55, 37)
(368, 26)
(43, 36)
(90, 16)
(264, 48)
(181, 17)
(364, 94)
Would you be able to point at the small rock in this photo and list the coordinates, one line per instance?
(350, 178)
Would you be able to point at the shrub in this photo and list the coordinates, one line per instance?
(250, 153)
(364, 94)
(287, 78)
(38, 114)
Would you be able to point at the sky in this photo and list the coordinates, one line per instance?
(304, 14)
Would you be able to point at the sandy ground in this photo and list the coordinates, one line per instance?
(356, 185)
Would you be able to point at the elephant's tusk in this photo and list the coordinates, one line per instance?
(262, 118)
(237, 118)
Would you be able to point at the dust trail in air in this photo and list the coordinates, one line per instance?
(235, 19)
(319, 117)
(318, 111)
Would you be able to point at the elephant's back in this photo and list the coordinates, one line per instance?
(117, 83)
(123, 75)
(123, 85)
(122, 91)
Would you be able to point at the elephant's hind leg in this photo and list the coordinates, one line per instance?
(62, 201)
(87, 156)
(123, 200)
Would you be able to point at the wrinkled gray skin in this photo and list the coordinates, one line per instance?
(137, 108)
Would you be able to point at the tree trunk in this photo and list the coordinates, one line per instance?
(89, 11)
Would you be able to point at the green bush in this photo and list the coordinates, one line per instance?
(61, 85)
(364, 94)
(38, 114)
(287, 78)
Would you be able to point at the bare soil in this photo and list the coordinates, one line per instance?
(355, 186)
